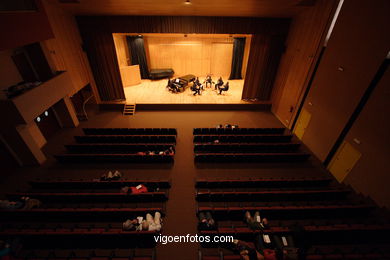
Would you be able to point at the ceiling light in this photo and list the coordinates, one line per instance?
(38, 119)
(187, 2)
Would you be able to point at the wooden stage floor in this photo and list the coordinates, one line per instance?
(155, 92)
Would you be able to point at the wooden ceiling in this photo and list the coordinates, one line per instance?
(248, 8)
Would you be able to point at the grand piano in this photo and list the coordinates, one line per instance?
(183, 81)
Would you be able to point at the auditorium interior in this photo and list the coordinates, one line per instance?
(194, 129)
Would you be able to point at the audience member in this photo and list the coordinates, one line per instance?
(130, 224)
(7, 204)
(152, 223)
(169, 151)
(134, 189)
(206, 221)
(24, 203)
(32, 203)
(111, 176)
(247, 251)
(219, 126)
(255, 222)
(285, 247)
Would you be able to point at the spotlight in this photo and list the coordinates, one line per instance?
(188, 2)
(46, 113)
(38, 119)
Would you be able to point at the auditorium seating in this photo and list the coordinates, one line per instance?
(239, 131)
(246, 147)
(271, 195)
(250, 157)
(90, 183)
(200, 139)
(126, 139)
(88, 254)
(326, 211)
(115, 148)
(121, 145)
(263, 182)
(130, 131)
(257, 145)
(86, 212)
(91, 196)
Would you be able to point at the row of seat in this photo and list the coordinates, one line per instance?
(271, 195)
(123, 139)
(329, 252)
(348, 252)
(291, 212)
(92, 196)
(95, 184)
(130, 131)
(241, 131)
(251, 157)
(116, 148)
(263, 182)
(199, 139)
(73, 232)
(114, 158)
(89, 254)
(273, 230)
(308, 222)
(246, 147)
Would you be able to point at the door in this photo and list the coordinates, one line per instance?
(344, 161)
(302, 123)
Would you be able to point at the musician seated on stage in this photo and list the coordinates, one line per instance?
(224, 88)
(208, 81)
(196, 88)
(219, 83)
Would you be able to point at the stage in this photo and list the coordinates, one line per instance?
(155, 92)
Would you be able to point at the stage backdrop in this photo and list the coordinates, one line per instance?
(98, 30)
(190, 55)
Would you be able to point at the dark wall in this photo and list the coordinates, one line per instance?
(180, 24)
(21, 28)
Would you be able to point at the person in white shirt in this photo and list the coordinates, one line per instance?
(152, 224)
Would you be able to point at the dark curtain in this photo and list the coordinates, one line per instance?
(265, 53)
(238, 55)
(138, 56)
(104, 64)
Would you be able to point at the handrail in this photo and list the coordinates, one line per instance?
(84, 103)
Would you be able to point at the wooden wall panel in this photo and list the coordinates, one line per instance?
(122, 51)
(65, 50)
(336, 92)
(304, 44)
(370, 175)
(191, 55)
